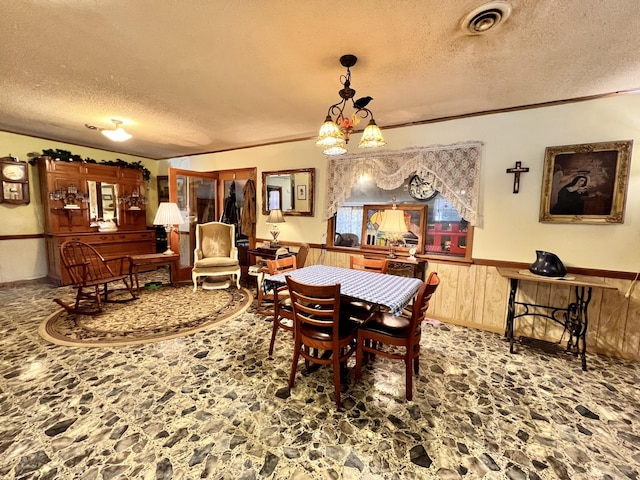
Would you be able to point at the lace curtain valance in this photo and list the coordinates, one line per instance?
(453, 170)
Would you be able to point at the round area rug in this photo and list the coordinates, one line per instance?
(157, 315)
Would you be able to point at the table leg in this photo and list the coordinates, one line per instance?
(581, 322)
(173, 273)
(511, 310)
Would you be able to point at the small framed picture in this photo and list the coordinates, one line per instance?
(585, 183)
(163, 188)
(302, 192)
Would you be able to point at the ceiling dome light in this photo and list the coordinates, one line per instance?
(119, 134)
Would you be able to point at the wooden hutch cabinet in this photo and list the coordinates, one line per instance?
(76, 195)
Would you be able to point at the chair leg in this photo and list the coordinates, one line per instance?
(416, 361)
(99, 296)
(78, 296)
(274, 332)
(336, 378)
(409, 374)
(194, 277)
(359, 359)
(294, 365)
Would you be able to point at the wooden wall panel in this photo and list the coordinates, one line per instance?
(480, 288)
(465, 287)
(631, 345)
(612, 323)
(495, 308)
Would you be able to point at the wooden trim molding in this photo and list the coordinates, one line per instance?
(22, 237)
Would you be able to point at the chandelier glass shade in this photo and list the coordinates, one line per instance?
(336, 129)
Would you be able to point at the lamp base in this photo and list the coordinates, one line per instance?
(168, 251)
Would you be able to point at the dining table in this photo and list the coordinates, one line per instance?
(390, 291)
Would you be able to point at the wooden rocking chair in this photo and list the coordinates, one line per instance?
(89, 271)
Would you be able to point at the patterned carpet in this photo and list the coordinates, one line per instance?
(156, 315)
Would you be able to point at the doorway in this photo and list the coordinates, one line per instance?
(207, 197)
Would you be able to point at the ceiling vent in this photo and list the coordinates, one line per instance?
(486, 17)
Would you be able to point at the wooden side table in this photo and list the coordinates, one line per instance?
(403, 267)
(153, 259)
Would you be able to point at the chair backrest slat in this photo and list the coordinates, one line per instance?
(368, 264)
(281, 265)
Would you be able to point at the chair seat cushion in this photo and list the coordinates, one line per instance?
(285, 304)
(358, 309)
(387, 324)
(216, 262)
(346, 328)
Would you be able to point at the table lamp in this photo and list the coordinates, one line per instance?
(393, 226)
(275, 217)
(168, 215)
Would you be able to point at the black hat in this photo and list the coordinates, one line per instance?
(548, 264)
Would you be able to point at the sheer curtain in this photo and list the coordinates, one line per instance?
(453, 170)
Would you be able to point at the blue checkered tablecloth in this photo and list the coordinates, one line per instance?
(389, 290)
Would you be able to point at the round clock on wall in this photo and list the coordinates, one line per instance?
(420, 189)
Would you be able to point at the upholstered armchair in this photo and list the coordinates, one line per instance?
(215, 255)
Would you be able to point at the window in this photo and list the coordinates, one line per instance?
(447, 233)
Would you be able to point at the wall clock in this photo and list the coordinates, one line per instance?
(420, 189)
(14, 176)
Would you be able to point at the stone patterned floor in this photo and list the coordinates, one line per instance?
(214, 405)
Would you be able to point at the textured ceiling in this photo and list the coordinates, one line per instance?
(194, 76)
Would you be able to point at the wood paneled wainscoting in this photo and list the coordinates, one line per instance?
(476, 295)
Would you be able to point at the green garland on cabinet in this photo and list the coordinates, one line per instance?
(66, 156)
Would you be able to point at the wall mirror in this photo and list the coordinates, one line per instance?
(103, 200)
(289, 190)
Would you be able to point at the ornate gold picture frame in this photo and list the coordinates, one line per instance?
(585, 183)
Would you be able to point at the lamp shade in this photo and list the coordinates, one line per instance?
(168, 214)
(329, 134)
(372, 136)
(275, 216)
(393, 222)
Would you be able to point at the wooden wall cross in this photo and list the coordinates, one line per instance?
(516, 172)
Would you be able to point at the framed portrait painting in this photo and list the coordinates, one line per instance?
(302, 192)
(585, 183)
(415, 219)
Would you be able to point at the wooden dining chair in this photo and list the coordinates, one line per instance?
(301, 256)
(382, 330)
(282, 308)
(261, 272)
(360, 309)
(319, 329)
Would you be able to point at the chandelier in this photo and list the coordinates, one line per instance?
(334, 134)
